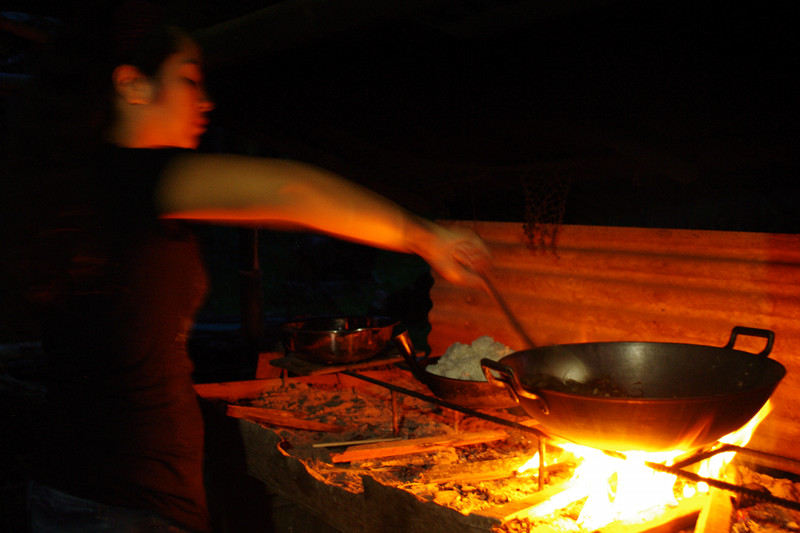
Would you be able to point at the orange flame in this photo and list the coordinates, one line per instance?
(621, 489)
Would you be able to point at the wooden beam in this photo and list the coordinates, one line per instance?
(716, 514)
(679, 518)
(277, 417)
(411, 446)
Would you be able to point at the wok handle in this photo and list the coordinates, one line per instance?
(508, 378)
(753, 332)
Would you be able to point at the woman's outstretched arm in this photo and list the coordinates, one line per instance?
(288, 194)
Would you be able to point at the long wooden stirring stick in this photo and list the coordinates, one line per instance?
(498, 298)
(462, 257)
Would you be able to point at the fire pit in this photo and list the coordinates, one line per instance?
(603, 284)
(377, 454)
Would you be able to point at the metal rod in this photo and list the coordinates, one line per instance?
(449, 405)
(757, 495)
(354, 442)
(501, 302)
(716, 483)
(703, 455)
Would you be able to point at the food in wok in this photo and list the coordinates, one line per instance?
(645, 396)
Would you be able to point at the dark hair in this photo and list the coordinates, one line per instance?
(55, 126)
(70, 100)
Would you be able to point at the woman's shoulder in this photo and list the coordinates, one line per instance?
(125, 181)
(126, 169)
(137, 160)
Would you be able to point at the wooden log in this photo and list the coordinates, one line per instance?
(679, 518)
(237, 391)
(295, 365)
(354, 442)
(411, 446)
(715, 517)
(278, 417)
(233, 391)
(539, 504)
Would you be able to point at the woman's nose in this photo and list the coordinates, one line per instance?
(206, 103)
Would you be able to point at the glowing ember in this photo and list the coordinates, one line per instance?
(625, 489)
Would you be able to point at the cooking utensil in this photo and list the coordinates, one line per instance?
(640, 395)
(501, 302)
(338, 340)
(497, 297)
(468, 393)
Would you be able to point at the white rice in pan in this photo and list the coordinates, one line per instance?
(463, 361)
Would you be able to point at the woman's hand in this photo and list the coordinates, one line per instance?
(458, 254)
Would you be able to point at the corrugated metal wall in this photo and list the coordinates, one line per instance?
(635, 284)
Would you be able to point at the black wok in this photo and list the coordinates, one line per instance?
(640, 395)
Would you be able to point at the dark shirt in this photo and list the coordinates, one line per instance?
(125, 426)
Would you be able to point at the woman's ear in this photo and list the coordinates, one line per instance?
(133, 86)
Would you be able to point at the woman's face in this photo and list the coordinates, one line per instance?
(176, 113)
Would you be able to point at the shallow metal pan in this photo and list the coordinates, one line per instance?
(467, 393)
(339, 339)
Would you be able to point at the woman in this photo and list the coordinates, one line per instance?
(118, 278)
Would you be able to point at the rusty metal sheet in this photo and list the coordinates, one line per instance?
(639, 284)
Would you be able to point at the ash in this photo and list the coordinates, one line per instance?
(466, 478)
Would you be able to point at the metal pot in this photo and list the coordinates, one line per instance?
(638, 395)
(467, 393)
(338, 340)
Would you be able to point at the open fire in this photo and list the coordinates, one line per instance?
(625, 488)
(371, 440)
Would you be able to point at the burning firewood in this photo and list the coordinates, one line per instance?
(716, 514)
(751, 515)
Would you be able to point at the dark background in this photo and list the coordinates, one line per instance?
(670, 114)
(666, 114)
